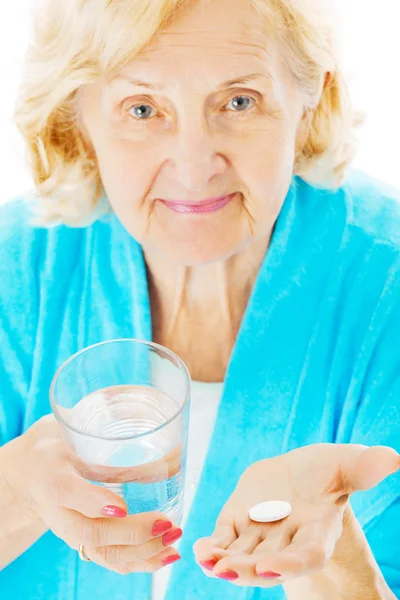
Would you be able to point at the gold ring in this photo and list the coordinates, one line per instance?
(82, 554)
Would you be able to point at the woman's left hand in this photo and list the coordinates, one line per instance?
(317, 481)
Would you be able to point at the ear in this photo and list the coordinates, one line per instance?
(328, 79)
(325, 81)
(303, 130)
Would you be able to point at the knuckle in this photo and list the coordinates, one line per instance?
(46, 456)
(155, 550)
(202, 547)
(118, 555)
(136, 537)
(110, 555)
(197, 546)
(47, 422)
(93, 532)
(137, 532)
(45, 427)
(133, 537)
(147, 550)
(120, 570)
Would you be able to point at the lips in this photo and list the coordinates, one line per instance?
(204, 206)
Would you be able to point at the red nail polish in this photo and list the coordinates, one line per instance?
(161, 527)
(269, 575)
(228, 575)
(172, 536)
(208, 564)
(171, 559)
(114, 511)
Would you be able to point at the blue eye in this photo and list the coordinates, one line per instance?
(240, 103)
(141, 111)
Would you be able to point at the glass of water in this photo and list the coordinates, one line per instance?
(123, 406)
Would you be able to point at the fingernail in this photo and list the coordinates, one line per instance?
(228, 575)
(161, 527)
(172, 536)
(171, 559)
(208, 564)
(114, 511)
(269, 575)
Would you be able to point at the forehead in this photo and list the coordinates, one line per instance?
(215, 23)
(225, 34)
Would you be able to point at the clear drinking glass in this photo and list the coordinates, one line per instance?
(123, 406)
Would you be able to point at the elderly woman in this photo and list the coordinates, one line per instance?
(191, 163)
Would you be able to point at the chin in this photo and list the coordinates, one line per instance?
(192, 240)
(192, 254)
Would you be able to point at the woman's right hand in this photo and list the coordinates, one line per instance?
(45, 482)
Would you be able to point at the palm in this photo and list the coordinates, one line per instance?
(317, 481)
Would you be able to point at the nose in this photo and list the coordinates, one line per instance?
(194, 161)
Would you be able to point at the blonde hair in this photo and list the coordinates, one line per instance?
(75, 42)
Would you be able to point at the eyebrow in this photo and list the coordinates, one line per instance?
(225, 84)
(244, 79)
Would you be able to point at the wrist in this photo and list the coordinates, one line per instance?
(352, 571)
(20, 525)
(353, 565)
(15, 468)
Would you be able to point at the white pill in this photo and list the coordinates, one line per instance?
(268, 512)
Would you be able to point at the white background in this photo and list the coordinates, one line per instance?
(371, 49)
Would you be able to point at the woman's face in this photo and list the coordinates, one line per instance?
(196, 139)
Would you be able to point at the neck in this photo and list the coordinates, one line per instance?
(197, 310)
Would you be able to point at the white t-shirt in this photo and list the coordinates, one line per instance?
(203, 412)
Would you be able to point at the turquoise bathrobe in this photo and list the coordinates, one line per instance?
(317, 359)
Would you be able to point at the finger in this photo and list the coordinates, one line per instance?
(260, 538)
(207, 549)
(246, 542)
(276, 541)
(119, 555)
(240, 568)
(311, 548)
(60, 485)
(56, 481)
(134, 530)
(69, 490)
(370, 466)
(151, 565)
(240, 571)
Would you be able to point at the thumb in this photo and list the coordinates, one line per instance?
(367, 467)
(93, 501)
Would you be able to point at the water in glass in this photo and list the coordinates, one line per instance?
(132, 455)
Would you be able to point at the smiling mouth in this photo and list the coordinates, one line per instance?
(201, 207)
